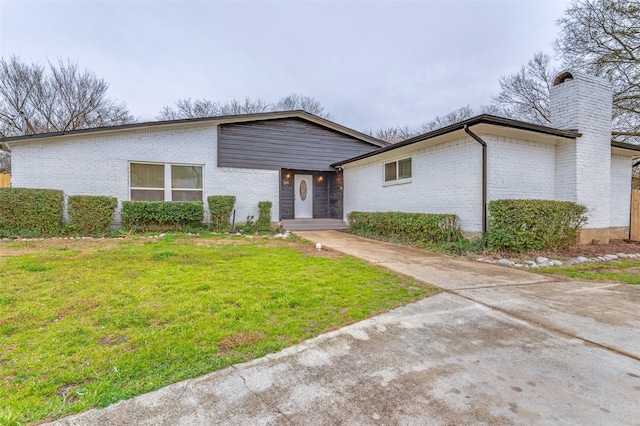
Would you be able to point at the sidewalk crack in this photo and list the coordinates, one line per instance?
(273, 407)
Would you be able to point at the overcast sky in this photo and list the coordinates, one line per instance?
(370, 64)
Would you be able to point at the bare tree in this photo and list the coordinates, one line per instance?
(249, 106)
(454, 116)
(38, 99)
(394, 134)
(186, 108)
(525, 94)
(18, 84)
(305, 103)
(57, 98)
(5, 162)
(603, 37)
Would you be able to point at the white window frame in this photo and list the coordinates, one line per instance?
(168, 196)
(397, 180)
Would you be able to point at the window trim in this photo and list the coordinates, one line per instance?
(398, 180)
(168, 184)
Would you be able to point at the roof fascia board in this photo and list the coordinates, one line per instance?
(7, 142)
(622, 148)
(474, 121)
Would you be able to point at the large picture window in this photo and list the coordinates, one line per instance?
(165, 182)
(397, 170)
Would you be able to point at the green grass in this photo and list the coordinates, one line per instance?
(87, 324)
(624, 271)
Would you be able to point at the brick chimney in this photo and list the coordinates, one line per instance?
(584, 103)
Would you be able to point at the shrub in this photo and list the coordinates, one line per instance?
(264, 214)
(31, 212)
(526, 225)
(221, 207)
(91, 215)
(420, 229)
(162, 214)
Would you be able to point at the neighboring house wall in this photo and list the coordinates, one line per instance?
(620, 196)
(290, 143)
(446, 178)
(5, 180)
(93, 164)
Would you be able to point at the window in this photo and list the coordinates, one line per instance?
(165, 182)
(399, 170)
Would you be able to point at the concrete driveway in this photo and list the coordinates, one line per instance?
(499, 346)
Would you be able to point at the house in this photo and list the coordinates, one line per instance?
(460, 168)
(256, 157)
(310, 167)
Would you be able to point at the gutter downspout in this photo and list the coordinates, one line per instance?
(484, 176)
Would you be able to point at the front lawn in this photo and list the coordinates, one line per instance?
(85, 323)
(623, 271)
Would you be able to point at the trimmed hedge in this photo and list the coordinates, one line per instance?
(91, 214)
(264, 214)
(419, 229)
(31, 212)
(162, 214)
(527, 225)
(221, 207)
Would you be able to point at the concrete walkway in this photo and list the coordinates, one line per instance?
(500, 346)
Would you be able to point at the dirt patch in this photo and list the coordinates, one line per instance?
(237, 340)
(20, 247)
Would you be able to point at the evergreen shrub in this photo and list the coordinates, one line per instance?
(90, 214)
(30, 212)
(221, 207)
(165, 215)
(419, 229)
(527, 225)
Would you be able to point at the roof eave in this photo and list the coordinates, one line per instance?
(6, 141)
(631, 148)
(480, 119)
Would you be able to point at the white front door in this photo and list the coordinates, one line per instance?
(303, 195)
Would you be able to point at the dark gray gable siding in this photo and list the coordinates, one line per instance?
(285, 143)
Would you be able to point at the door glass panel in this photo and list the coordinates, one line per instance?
(303, 190)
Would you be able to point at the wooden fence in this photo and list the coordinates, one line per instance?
(635, 215)
(5, 180)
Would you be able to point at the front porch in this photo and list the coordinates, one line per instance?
(312, 224)
(311, 194)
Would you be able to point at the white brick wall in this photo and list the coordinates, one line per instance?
(620, 190)
(519, 169)
(99, 165)
(447, 178)
(565, 169)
